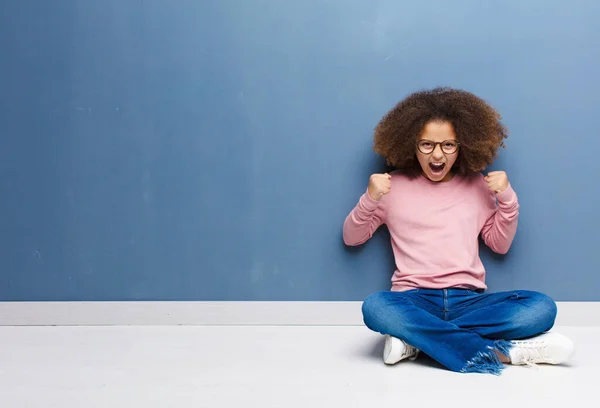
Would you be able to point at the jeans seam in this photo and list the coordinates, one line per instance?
(445, 304)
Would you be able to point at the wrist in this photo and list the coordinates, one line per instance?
(369, 202)
(507, 195)
(373, 195)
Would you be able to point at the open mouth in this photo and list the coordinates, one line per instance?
(437, 168)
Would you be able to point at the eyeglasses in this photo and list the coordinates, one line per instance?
(428, 146)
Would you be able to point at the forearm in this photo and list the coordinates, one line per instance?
(362, 221)
(500, 230)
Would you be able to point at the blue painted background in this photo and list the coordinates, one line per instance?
(210, 150)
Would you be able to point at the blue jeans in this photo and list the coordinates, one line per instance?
(461, 329)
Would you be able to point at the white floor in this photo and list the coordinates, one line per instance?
(262, 366)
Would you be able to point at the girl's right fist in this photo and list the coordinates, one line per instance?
(379, 185)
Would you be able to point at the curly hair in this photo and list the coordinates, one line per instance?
(476, 124)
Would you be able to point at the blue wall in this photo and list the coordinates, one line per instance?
(210, 150)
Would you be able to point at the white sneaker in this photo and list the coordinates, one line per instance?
(396, 350)
(547, 348)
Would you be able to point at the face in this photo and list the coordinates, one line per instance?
(437, 150)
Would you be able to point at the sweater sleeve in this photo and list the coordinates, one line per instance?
(363, 220)
(499, 230)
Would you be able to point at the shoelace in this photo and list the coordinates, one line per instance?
(410, 351)
(529, 352)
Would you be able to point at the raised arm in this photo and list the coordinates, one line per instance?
(369, 212)
(500, 229)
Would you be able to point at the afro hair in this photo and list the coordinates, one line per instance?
(477, 126)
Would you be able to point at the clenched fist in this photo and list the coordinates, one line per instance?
(497, 181)
(379, 185)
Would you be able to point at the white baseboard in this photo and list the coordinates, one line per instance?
(223, 313)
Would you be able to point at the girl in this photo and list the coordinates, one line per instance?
(436, 204)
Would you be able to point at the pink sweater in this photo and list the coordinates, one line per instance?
(434, 229)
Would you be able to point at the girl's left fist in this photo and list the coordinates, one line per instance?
(497, 181)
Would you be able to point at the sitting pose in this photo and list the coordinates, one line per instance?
(436, 203)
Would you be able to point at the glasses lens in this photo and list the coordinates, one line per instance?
(426, 146)
(449, 147)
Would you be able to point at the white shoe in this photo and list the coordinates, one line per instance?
(396, 350)
(547, 348)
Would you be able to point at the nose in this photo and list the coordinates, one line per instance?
(437, 153)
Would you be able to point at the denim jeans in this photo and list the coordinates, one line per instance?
(461, 329)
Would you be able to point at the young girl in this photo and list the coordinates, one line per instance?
(436, 204)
